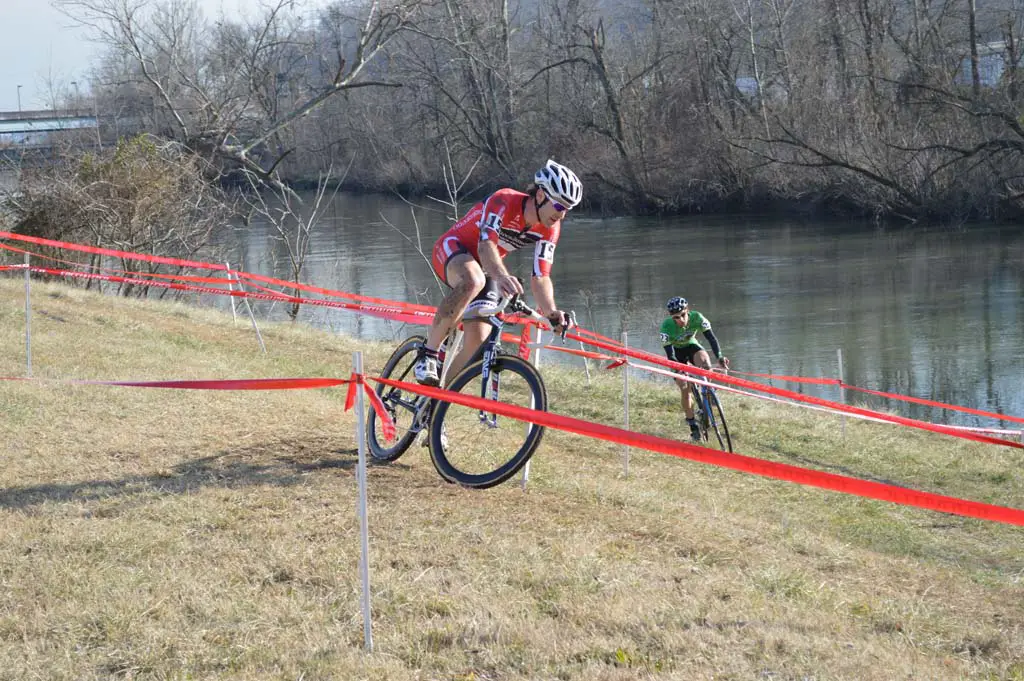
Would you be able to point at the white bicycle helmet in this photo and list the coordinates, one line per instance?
(560, 183)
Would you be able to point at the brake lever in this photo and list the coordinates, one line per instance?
(570, 324)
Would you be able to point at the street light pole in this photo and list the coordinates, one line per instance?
(19, 99)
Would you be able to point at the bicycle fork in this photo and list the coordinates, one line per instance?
(702, 411)
(489, 387)
(705, 407)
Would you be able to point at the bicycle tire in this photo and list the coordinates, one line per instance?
(464, 449)
(718, 423)
(397, 403)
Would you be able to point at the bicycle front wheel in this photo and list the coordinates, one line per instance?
(700, 412)
(480, 449)
(404, 407)
(716, 422)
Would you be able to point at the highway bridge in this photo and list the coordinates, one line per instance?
(22, 131)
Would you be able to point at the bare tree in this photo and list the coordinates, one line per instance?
(216, 89)
(144, 195)
(463, 51)
(884, 106)
(292, 226)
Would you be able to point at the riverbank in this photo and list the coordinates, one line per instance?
(806, 202)
(176, 534)
(750, 203)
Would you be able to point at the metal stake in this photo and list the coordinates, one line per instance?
(364, 529)
(234, 315)
(255, 326)
(28, 317)
(625, 405)
(536, 363)
(842, 390)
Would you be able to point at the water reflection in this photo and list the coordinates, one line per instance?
(934, 313)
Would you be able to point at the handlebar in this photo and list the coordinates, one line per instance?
(515, 304)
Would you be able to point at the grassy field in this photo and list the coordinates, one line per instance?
(166, 534)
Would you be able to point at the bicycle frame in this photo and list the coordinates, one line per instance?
(489, 350)
(710, 416)
(492, 346)
(705, 404)
(488, 365)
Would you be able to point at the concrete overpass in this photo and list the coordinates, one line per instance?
(43, 129)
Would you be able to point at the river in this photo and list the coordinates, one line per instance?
(933, 312)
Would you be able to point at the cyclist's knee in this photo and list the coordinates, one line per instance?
(466, 277)
(469, 288)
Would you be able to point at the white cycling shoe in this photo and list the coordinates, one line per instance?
(425, 371)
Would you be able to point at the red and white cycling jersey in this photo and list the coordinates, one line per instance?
(498, 219)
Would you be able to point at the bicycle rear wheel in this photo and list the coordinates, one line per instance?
(401, 405)
(482, 449)
(716, 422)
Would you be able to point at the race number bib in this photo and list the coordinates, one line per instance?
(546, 251)
(490, 223)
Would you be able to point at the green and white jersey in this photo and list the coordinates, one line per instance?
(681, 336)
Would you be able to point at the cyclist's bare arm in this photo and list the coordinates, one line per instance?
(543, 294)
(494, 267)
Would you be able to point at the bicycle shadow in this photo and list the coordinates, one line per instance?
(283, 463)
(831, 467)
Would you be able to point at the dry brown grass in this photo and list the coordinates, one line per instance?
(161, 534)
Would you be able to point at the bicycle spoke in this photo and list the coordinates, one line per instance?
(480, 441)
(481, 448)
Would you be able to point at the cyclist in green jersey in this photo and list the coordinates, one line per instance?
(679, 337)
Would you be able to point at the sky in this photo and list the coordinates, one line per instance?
(42, 50)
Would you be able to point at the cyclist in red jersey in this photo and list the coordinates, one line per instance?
(469, 257)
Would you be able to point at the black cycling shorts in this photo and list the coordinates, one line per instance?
(685, 354)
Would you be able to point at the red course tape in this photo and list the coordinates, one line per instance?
(267, 384)
(738, 462)
(422, 314)
(751, 385)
